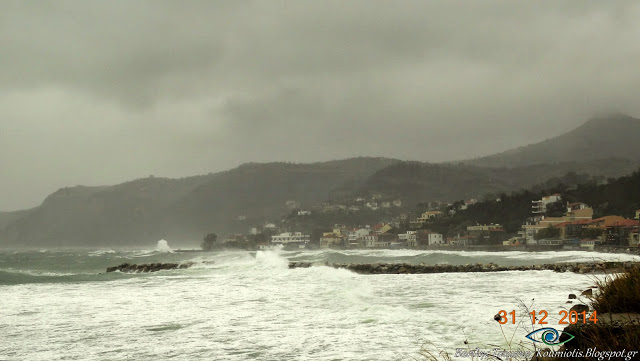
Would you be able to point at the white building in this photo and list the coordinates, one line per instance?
(354, 236)
(540, 206)
(372, 205)
(304, 213)
(410, 237)
(435, 239)
(288, 238)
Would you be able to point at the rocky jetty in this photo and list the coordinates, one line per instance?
(407, 268)
(148, 267)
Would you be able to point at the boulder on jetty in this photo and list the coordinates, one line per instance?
(148, 267)
(299, 264)
(407, 268)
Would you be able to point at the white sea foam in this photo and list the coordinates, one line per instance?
(271, 259)
(163, 246)
(251, 306)
(101, 252)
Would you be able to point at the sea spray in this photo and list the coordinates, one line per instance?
(272, 259)
(163, 246)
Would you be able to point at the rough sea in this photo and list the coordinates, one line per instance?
(61, 305)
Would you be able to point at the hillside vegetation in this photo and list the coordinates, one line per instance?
(415, 181)
(619, 196)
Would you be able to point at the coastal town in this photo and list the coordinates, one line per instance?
(570, 226)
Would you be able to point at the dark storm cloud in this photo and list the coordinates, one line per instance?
(98, 92)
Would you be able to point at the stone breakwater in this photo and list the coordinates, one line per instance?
(407, 268)
(148, 267)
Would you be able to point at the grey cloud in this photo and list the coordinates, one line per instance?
(98, 92)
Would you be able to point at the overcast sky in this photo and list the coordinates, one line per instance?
(99, 92)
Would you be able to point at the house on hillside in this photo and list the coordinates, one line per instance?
(424, 217)
(372, 205)
(576, 206)
(540, 206)
(580, 213)
(468, 203)
(578, 210)
(486, 227)
(381, 228)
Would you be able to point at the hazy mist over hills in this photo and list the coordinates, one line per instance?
(183, 209)
(615, 136)
(438, 96)
(102, 92)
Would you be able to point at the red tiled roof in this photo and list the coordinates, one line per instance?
(626, 223)
(580, 221)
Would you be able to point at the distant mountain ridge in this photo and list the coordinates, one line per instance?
(148, 209)
(615, 136)
(153, 208)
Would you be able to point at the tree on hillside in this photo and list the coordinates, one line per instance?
(209, 241)
(556, 209)
(549, 232)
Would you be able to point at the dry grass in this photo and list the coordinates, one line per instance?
(619, 294)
